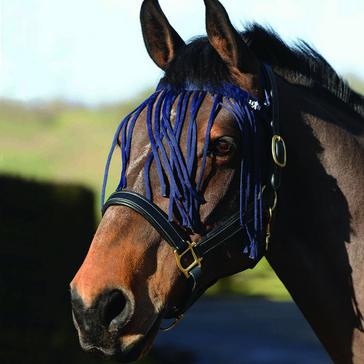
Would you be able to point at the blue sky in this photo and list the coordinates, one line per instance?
(91, 51)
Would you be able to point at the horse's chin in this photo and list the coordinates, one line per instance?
(128, 347)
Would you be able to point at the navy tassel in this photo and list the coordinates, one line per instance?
(177, 170)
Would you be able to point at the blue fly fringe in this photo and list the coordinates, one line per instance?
(177, 167)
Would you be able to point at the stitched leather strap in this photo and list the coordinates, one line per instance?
(177, 238)
(174, 236)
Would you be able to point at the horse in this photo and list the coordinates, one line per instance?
(248, 148)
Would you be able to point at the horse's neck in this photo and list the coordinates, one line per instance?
(318, 244)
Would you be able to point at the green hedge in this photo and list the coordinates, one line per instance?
(45, 230)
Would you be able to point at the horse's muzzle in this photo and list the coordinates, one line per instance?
(100, 325)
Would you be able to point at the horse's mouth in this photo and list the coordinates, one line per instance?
(126, 348)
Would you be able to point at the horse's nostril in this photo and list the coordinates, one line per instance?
(112, 306)
(110, 312)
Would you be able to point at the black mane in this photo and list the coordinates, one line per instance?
(199, 63)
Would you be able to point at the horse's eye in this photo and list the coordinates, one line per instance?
(223, 146)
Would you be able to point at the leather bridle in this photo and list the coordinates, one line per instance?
(196, 252)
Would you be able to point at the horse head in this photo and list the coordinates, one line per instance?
(194, 155)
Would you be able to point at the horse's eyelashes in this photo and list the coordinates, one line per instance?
(223, 146)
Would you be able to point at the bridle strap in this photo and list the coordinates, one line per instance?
(178, 239)
(278, 145)
(169, 231)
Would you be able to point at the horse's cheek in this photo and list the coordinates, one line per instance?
(162, 285)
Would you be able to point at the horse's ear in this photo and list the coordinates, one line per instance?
(161, 40)
(227, 41)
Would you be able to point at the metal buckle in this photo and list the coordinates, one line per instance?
(196, 259)
(275, 197)
(278, 142)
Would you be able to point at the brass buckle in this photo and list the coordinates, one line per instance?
(277, 141)
(196, 260)
(275, 197)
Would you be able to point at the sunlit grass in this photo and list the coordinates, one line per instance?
(260, 281)
(66, 144)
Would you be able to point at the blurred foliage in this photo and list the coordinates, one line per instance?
(67, 142)
(58, 142)
(45, 231)
(260, 281)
